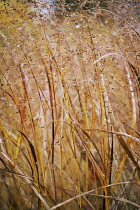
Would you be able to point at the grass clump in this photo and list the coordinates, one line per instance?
(69, 108)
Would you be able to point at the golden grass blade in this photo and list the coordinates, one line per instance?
(32, 151)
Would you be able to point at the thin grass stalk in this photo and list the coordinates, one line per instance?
(89, 192)
(53, 130)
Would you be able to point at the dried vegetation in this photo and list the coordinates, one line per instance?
(69, 122)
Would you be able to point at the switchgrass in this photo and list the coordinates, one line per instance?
(69, 109)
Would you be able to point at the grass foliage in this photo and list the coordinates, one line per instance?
(69, 120)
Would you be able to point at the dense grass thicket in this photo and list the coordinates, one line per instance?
(69, 105)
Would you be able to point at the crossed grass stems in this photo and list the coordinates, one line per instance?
(70, 113)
